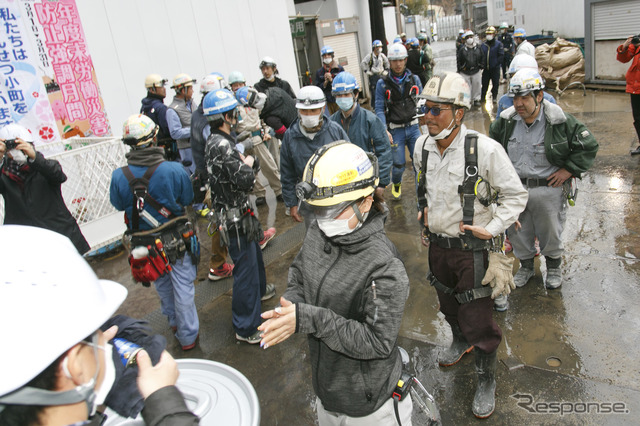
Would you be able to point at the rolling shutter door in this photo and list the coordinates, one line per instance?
(346, 45)
(615, 20)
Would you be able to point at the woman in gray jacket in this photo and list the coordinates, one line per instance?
(347, 290)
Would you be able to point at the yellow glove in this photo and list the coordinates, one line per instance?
(499, 274)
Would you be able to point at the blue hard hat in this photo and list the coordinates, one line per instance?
(376, 43)
(344, 82)
(326, 50)
(397, 40)
(413, 42)
(520, 32)
(246, 95)
(218, 102)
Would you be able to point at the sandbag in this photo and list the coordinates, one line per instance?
(560, 63)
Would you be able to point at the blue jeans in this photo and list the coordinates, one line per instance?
(402, 136)
(176, 292)
(249, 284)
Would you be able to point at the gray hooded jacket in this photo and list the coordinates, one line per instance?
(352, 329)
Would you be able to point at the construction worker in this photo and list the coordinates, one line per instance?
(470, 62)
(508, 47)
(522, 45)
(160, 217)
(65, 369)
(270, 78)
(363, 127)
(219, 268)
(416, 62)
(231, 178)
(493, 52)
(153, 107)
(549, 148)
(396, 103)
(311, 131)
(427, 54)
(468, 194)
(351, 316)
(375, 65)
(179, 118)
(325, 75)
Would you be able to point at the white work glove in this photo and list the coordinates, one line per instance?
(385, 73)
(499, 274)
(369, 73)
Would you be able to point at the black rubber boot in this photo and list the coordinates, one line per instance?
(485, 400)
(459, 347)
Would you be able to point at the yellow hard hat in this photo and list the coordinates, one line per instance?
(154, 80)
(336, 175)
(182, 80)
(491, 30)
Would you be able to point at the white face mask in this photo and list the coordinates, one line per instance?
(272, 77)
(327, 61)
(18, 156)
(310, 121)
(469, 41)
(335, 227)
(108, 380)
(489, 37)
(446, 132)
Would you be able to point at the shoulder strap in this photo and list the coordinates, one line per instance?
(467, 189)
(422, 179)
(139, 188)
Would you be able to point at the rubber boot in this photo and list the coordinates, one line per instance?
(459, 347)
(485, 400)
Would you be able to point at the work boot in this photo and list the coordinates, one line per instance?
(554, 278)
(522, 277)
(396, 190)
(484, 401)
(635, 151)
(501, 303)
(459, 347)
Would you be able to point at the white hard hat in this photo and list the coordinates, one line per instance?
(310, 97)
(211, 82)
(154, 80)
(182, 80)
(448, 88)
(522, 62)
(50, 299)
(397, 52)
(15, 131)
(139, 130)
(524, 82)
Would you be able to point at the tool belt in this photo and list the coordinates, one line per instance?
(234, 222)
(464, 242)
(534, 183)
(154, 251)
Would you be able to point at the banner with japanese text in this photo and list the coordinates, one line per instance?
(49, 83)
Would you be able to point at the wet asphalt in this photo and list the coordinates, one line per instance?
(568, 356)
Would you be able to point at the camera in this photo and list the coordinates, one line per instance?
(636, 39)
(10, 144)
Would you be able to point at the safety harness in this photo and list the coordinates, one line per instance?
(140, 189)
(468, 194)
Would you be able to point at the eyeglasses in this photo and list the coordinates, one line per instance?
(435, 111)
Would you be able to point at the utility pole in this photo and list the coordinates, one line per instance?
(398, 17)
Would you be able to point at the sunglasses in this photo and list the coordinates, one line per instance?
(435, 111)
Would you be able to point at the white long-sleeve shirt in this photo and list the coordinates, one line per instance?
(446, 172)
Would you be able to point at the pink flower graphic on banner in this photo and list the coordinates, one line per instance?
(43, 111)
(59, 111)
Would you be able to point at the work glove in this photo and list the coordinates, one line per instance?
(385, 73)
(369, 73)
(499, 274)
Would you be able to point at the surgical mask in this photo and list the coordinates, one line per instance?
(272, 77)
(446, 132)
(327, 61)
(469, 41)
(18, 156)
(489, 37)
(108, 380)
(310, 121)
(335, 227)
(345, 103)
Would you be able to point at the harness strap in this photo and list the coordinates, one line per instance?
(467, 189)
(422, 180)
(140, 190)
(466, 296)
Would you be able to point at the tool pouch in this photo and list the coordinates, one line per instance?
(148, 268)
